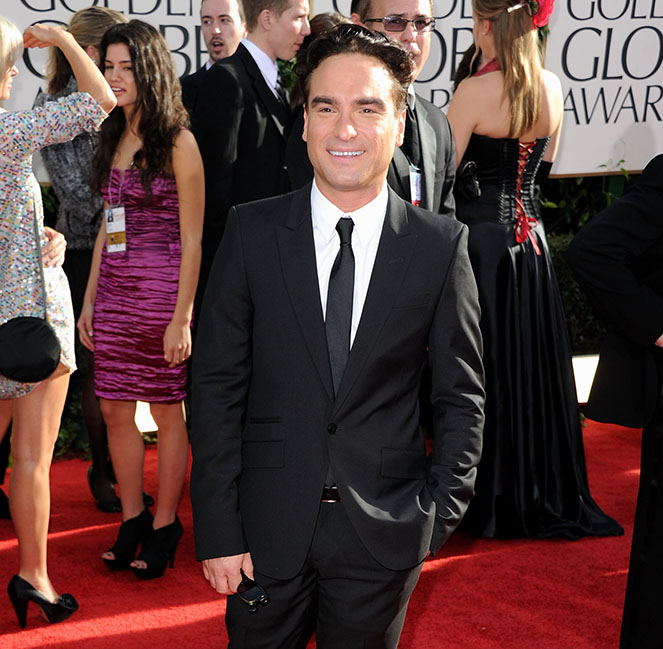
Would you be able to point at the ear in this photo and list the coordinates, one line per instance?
(304, 132)
(400, 133)
(265, 19)
(486, 27)
(356, 19)
(93, 53)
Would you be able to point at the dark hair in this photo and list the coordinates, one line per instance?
(320, 23)
(240, 10)
(355, 39)
(363, 8)
(158, 102)
(253, 8)
(87, 26)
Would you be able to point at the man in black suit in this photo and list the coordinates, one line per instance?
(310, 470)
(241, 117)
(222, 28)
(618, 260)
(428, 144)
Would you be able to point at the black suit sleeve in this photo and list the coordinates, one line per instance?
(607, 256)
(447, 201)
(221, 371)
(216, 124)
(457, 394)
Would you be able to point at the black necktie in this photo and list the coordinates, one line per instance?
(280, 91)
(411, 145)
(339, 302)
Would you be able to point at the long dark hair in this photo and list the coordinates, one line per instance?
(158, 102)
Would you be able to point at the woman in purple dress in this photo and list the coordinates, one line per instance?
(137, 310)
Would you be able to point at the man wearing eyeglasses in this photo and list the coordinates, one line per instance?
(423, 169)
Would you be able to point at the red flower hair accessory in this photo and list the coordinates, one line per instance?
(541, 12)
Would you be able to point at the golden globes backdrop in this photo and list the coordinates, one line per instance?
(607, 53)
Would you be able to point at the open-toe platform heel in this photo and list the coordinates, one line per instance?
(132, 533)
(158, 550)
(22, 592)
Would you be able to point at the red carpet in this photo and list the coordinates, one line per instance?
(479, 594)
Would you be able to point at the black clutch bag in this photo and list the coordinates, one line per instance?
(29, 348)
(467, 184)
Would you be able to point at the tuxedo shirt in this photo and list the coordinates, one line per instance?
(268, 68)
(368, 221)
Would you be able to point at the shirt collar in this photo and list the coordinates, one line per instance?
(411, 97)
(368, 219)
(268, 67)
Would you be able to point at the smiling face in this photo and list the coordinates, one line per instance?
(118, 71)
(288, 30)
(221, 26)
(417, 43)
(351, 126)
(6, 82)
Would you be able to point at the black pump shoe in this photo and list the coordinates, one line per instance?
(21, 592)
(158, 550)
(132, 533)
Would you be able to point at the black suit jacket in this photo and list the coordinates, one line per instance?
(190, 86)
(618, 260)
(266, 424)
(241, 129)
(438, 160)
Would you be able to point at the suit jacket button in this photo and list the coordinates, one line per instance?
(332, 428)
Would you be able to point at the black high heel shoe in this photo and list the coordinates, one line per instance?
(158, 550)
(132, 533)
(21, 592)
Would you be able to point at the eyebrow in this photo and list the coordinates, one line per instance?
(362, 101)
(211, 16)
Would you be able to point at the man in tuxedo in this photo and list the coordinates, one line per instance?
(310, 471)
(428, 146)
(241, 117)
(618, 260)
(222, 28)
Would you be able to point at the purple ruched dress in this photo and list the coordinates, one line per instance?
(136, 295)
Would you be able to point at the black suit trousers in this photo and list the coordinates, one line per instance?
(642, 623)
(342, 594)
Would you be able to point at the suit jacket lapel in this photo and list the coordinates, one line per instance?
(427, 142)
(273, 106)
(297, 253)
(391, 262)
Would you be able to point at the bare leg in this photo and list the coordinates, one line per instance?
(127, 452)
(173, 462)
(34, 431)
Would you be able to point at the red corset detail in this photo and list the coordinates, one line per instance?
(524, 223)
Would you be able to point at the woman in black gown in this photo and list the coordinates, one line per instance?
(506, 119)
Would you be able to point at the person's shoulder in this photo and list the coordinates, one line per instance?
(654, 170)
(433, 112)
(429, 224)
(274, 208)
(551, 82)
(194, 78)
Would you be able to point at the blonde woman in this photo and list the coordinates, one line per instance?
(36, 408)
(506, 118)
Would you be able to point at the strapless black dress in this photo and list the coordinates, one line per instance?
(532, 478)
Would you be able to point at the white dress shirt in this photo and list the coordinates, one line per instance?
(268, 68)
(368, 221)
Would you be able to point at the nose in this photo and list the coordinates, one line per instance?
(217, 28)
(14, 71)
(409, 34)
(306, 29)
(345, 129)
